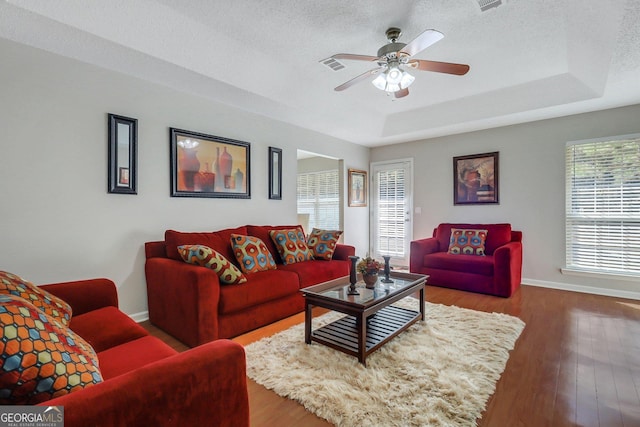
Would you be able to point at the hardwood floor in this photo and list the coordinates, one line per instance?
(577, 362)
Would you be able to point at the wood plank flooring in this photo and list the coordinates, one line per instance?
(577, 363)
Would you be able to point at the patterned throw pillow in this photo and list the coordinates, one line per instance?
(323, 243)
(291, 245)
(40, 358)
(252, 254)
(43, 300)
(204, 256)
(467, 241)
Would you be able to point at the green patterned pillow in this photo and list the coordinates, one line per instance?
(41, 299)
(291, 245)
(40, 358)
(252, 254)
(323, 243)
(204, 256)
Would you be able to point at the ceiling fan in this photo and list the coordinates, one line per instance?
(394, 57)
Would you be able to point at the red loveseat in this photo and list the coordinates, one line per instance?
(188, 301)
(146, 382)
(498, 272)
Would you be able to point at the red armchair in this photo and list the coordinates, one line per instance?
(498, 272)
(146, 382)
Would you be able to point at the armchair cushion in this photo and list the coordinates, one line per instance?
(106, 327)
(40, 298)
(467, 241)
(41, 358)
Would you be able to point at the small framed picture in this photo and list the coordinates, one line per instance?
(357, 188)
(275, 173)
(475, 179)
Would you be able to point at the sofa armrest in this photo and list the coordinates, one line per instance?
(183, 299)
(85, 295)
(343, 251)
(507, 269)
(204, 385)
(420, 248)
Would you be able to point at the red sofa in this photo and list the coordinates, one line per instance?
(188, 302)
(146, 382)
(497, 273)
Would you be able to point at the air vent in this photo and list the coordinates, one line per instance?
(488, 4)
(333, 64)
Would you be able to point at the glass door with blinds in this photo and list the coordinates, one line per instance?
(391, 208)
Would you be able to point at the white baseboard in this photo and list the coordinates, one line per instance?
(140, 317)
(583, 289)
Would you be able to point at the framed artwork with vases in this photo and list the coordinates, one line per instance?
(209, 166)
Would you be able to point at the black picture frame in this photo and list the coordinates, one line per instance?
(275, 173)
(209, 166)
(122, 174)
(475, 179)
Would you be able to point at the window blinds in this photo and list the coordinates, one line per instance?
(603, 206)
(391, 212)
(318, 196)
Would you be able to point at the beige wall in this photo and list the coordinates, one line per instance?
(532, 187)
(59, 223)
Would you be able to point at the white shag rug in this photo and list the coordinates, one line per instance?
(440, 372)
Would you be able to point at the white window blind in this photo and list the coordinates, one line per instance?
(318, 196)
(391, 212)
(603, 206)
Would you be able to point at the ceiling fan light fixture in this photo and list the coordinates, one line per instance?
(393, 80)
(380, 82)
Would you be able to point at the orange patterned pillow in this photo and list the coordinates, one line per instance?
(467, 241)
(41, 299)
(204, 256)
(291, 245)
(252, 254)
(323, 243)
(40, 359)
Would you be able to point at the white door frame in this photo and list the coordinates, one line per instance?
(409, 207)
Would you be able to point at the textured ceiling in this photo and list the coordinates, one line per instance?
(529, 59)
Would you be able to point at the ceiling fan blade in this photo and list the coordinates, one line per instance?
(354, 57)
(439, 67)
(401, 93)
(423, 41)
(357, 79)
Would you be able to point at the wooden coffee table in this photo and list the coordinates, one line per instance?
(371, 320)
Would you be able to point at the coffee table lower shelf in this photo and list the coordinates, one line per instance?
(385, 324)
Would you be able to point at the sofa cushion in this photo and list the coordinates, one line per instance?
(291, 244)
(218, 240)
(323, 243)
(204, 256)
(40, 298)
(262, 232)
(467, 241)
(252, 254)
(106, 327)
(41, 359)
(132, 355)
(465, 263)
(262, 287)
(497, 235)
(317, 271)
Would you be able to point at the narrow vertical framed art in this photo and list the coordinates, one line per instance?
(123, 155)
(357, 188)
(275, 173)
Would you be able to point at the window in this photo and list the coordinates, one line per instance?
(319, 197)
(603, 206)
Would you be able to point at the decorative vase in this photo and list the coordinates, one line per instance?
(188, 167)
(370, 279)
